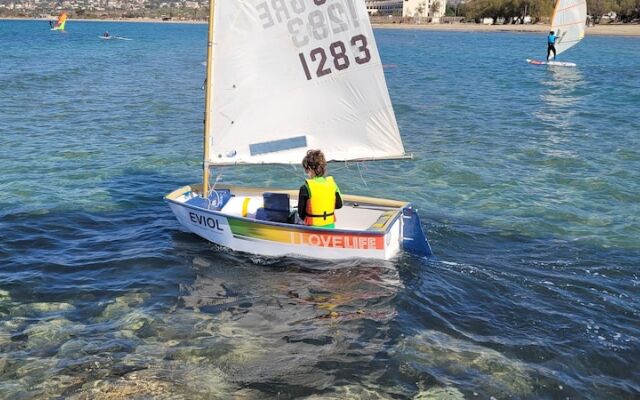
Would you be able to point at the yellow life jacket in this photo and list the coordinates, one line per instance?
(322, 201)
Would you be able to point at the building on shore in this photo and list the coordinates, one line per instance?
(384, 7)
(424, 10)
(420, 11)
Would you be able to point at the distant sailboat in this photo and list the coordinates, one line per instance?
(288, 77)
(569, 23)
(60, 24)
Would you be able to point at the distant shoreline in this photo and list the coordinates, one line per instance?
(110, 20)
(600, 30)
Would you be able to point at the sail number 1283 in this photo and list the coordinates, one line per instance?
(336, 58)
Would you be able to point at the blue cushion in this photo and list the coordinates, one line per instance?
(276, 208)
(276, 201)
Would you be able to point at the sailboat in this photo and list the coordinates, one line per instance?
(568, 22)
(283, 78)
(60, 24)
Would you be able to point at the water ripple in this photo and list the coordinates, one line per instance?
(524, 177)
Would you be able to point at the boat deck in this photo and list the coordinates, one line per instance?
(244, 203)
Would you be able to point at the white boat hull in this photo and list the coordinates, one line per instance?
(357, 238)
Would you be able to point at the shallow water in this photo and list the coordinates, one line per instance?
(525, 178)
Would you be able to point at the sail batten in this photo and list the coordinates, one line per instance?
(295, 75)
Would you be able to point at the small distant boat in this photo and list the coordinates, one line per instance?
(569, 24)
(60, 24)
(276, 88)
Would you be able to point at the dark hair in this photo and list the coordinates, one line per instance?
(551, 32)
(315, 161)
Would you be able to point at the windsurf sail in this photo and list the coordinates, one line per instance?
(568, 23)
(62, 21)
(289, 76)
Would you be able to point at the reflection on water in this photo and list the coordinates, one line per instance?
(561, 101)
(285, 330)
(561, 97)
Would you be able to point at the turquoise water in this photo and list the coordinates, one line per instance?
(525, 178)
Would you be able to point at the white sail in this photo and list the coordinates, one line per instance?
(292, 75)
(568, 23)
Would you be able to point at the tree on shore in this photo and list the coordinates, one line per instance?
(435, 8)
(542, 10)
(629, 10)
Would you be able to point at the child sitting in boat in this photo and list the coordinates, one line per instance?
(319, 197)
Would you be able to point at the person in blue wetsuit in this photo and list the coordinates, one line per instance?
(551, 45)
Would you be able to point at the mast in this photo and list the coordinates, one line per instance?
(553, 16)
(208, 99)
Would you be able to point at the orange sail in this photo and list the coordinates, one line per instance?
(62, 21)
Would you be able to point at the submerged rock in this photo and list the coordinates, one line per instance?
(127, 388)
(248, 394)
(15, 389)
(446, 358)
(56, 386)
(4, 363)
(439, 393)
(171, 380)
(352, 392)
(123, 305)
(9, 330)
(206, 381)
(35, 368)
(72, 349)
(34, 310)
(109, 346)
(180, 325)
(5, 337)
(50, 333)
(245, 351)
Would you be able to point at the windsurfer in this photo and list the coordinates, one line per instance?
(319, 197)
(551, 45)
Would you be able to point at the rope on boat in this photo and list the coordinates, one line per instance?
(212, 191)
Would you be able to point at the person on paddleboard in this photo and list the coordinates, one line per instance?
(551, 45)
(319, 197)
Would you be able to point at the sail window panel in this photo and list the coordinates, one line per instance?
(277, 145)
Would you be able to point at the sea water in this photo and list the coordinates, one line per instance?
(526, 179)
